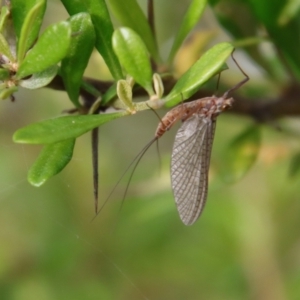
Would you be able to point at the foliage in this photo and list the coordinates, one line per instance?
(72, 41)
(267, 33)
(30, 61)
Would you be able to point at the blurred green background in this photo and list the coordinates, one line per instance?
(246, 245)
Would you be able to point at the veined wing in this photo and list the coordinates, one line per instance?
(190, 166)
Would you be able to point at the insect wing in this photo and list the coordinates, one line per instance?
(190, 166)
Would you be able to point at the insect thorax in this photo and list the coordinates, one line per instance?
(216, 105)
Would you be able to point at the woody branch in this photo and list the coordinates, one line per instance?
(264, 110)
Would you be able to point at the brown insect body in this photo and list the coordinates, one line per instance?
(207, 107)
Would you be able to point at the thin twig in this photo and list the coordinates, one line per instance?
(151, 18)
(150, 10)
(264, 109)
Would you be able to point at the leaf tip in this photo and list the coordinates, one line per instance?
(36, 183)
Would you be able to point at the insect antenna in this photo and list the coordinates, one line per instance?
(135, 161)
(157, 144)
(138, 158)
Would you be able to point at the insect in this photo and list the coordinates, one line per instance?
(191, 150)
(191, 156)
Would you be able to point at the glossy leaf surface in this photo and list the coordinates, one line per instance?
(50, 49)
(103, 29)
(81, 47)
(27, 18)
(132, 16)
(41, 79)
(133, 55)
(29, 30)
(207, 66)
(52, 159)
(63, 128)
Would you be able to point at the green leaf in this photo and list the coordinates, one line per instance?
(50, 49)
(7, 92)
(103, 29)
(124, 91)
(110, 94)
(25, 40)
(289, 12)
(63, 128)
(286, 38)
(242, 24)
(91, 89)
(133, 55)
(4, 74)
(190, 19)
(52, 159)
(207, 66)
(241, 154)
(3, 16)
(41, 79)
(27, 18)
(4, 48)
(132, 16)
(158, 85)
(74, 64)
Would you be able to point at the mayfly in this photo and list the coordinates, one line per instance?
(191, 151)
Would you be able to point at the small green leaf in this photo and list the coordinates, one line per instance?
(7, 92)
(124, 92)
(74, 64)
(103, 29)
(285, 38)
(133, 55)
(39, 80)
(241, 154)
(63, 128)
(4, 74)
(130, 80)
(289, 12)
(90, 88)
(50, 49)
(110, 94)
(24, 41)
(52, 160)
(207, 66)
(3, 16)
(4, 48)
(95, 106)
(158, 85)
(27, 18)
(132, 16)
(190, 19)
